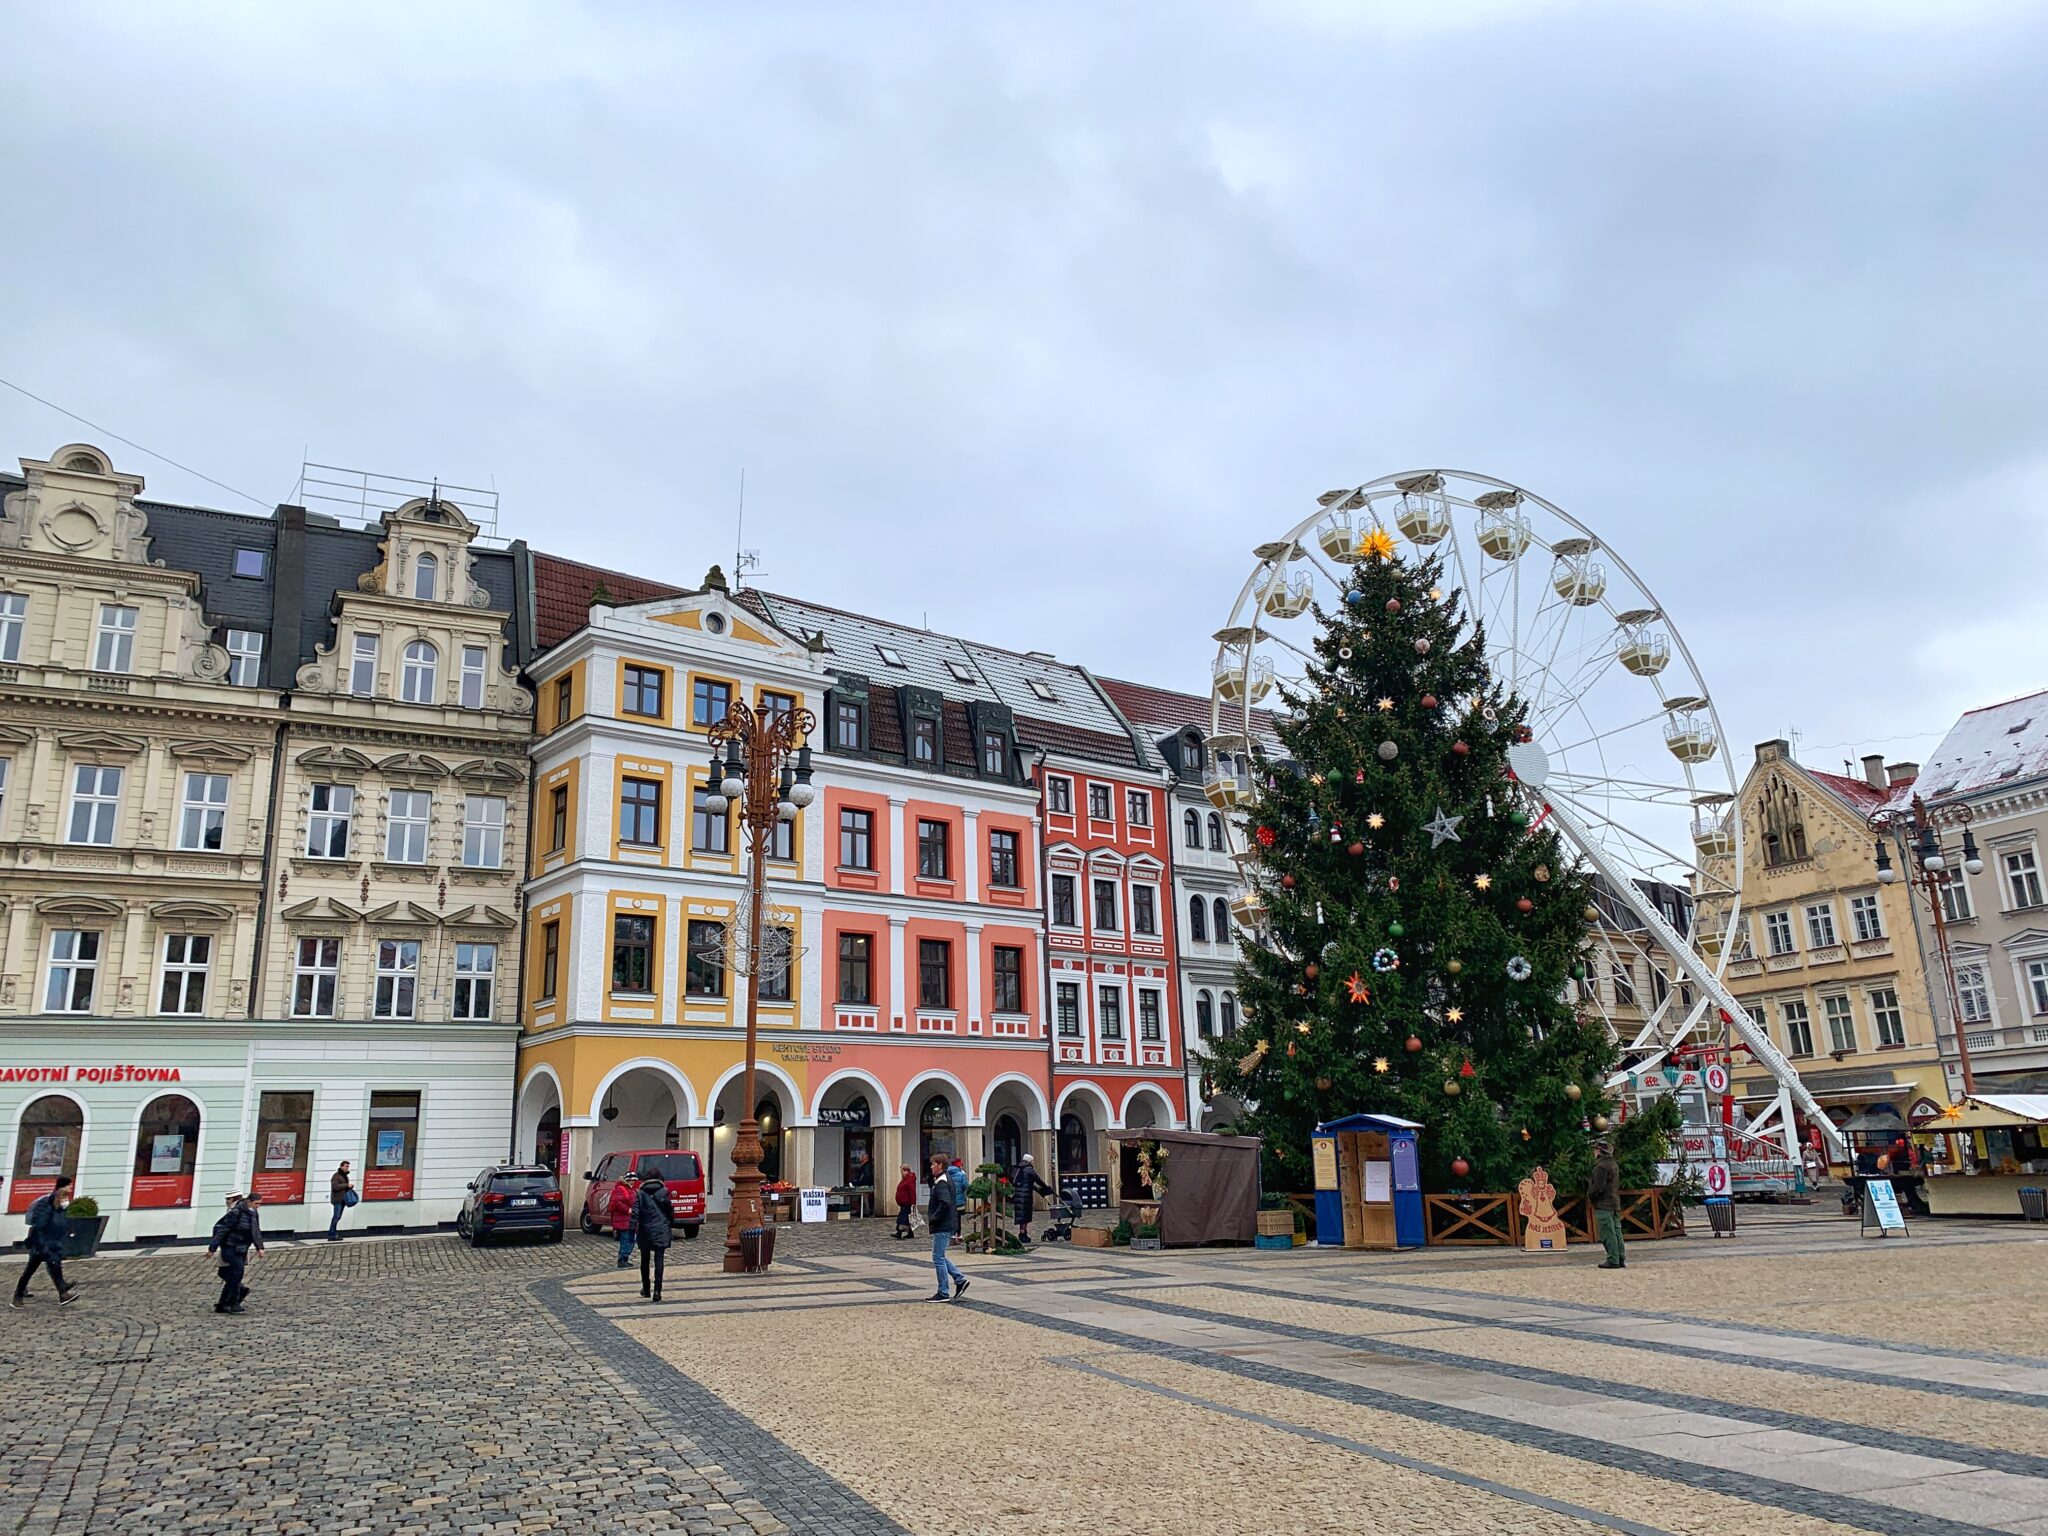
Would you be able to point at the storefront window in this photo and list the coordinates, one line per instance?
(393, 1144)
(934, 1135)
(166, 1152)
(857, 1141)
(769, 1118)
(284, 1135)
(1073, 1145)
(45, 1148)
(547, 1140)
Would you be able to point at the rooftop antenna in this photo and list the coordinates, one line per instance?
(744, 560)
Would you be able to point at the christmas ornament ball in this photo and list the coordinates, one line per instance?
(1422, 645)
(1592, 913)
(1600, 1122)
(1312, 970)
(1461, 749)
(1454, 966)
(1324, 1085)
(1578, 973)
(1451, 1087)
(1573, 1091)
(1354, 598)
(1393, 605)
(1429, 701)
(1395, 930)
(1459, 1167)
(1388, 751)
(1414, 1043)
(1287, 882)
(1356, 850)
(1519, 817)
(1524, 904)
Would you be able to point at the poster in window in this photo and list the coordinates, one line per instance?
(280, 1149)
(390, 1149)
(284, 1132)
(46, 1156)
(167, 1153)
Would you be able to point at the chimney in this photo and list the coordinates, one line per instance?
(1770, 751)
(1873, 770)
(1902, 773)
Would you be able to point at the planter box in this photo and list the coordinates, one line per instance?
(1144, 1245)
(1273, 1240)
(1276, 1224)
(82, 1235)
(1091, 1237)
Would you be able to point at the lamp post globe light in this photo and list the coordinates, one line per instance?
(761, 766)
(1921, 861)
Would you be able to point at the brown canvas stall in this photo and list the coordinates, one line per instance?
(1212, 1186)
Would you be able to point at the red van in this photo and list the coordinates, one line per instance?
(680, 1171)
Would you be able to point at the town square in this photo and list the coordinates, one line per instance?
(1256, 767)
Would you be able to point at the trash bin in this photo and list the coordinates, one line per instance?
(2034, 1203)
(1721, 1215)
(757, 1247)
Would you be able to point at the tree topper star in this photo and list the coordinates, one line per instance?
(1385, 705)
(1443, 829)
(1355, 983)
(1482, 882)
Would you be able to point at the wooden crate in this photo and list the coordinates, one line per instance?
(1091, 1237)
(1276, 1224)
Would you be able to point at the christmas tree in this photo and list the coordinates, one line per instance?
(1421, 928)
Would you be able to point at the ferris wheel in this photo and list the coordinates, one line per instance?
(1626, 756)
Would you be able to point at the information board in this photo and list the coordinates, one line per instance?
(1326, 1161)
(1881, 1207)
(810, 1205)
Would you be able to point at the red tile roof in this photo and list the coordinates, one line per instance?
(562, 590)
(1076, 741)
(1157, 709)
(1857, 793)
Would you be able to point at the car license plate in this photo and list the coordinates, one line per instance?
(527, 1200)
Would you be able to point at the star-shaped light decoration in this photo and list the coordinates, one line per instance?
(1378, 544)
(1482, 882)
(1379, 1063)
(1315, 778)
(1436, 594)
(1442, 829)
(1302, 1028)
(1355, 984)
(1385, 705)
(1454, 1015)
(1375, 821)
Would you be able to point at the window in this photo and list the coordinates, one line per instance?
(1865, 920)
(1625, 983)
(1138, 807)
(891, 657)
(924, 739)
(710, 701)
(398, 975)
(632, 952)
(95, 802)
(1198, 920)
(1067, 1008)
(473, 663)
(327, 828)
(426, 576)
(483, 832)
(640, 812)
(550, 958)
(1191, 754)
(558, 818)
(405, 837)
(1221, 909)
(846, 723)
(1191, 828)
(391, 1147)
(5, 763)
(362, 667)
(934, 973)
(1059, 796)
(13, 620)
(962, 673)
(1215, 833)
(115, 647)
(1149, 1027)
(774, 978)
(74, 970)
(1205, 1015)
(1098, 802)
(856, 968)
(1820, 925)
(1660, 986)
(1955, 894)
(710, 831)
(1973, 994)
(782, 842)
(856, 839)
(204, 822)
(1044, 691)
(1063, 901)
(1109, 1013)
(250, 564)
(1229, 1014)
(565, 700)
(476, 973)
(1002, 859)
(418, 678)
(315, 974)
(1885, 1014)
(245, 658)
(1778, 933)
(641, 693)
(1009, 979)
(704, 966)
(1841, 1019)
(2037, 985)
(1144, 914)
(773, 704)
(2023, 878)
(1105, 906)
(931, 850)
(1798, 1029)
(995, 754)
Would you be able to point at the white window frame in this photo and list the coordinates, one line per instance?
(2037, 986)
(245, 657)
(362, 666)
(419, 673)
(13, 624)
(316, 961)
(1138, 807)
(1866, 917)
(1095, 911)
(1778, 926)
(1136, 931)
(1059, 794)
(1157, 1023)
(1106, 992)
(1840, 1014)
(1957, 905)
(72, 964)
(101, 805)
(182, 971)
(1794, 1014)
(1820, 925)
(483, 831)
(476, 661)
(426, 572)
(2022, 871)
(324, 817)
(1886, 1018)
(1068, 1023)
(409, 826)
(204, 809)
(1108, 794)
(114, 638)
(397, 994)
(476, 978)
(6, 767)
(1973, 992)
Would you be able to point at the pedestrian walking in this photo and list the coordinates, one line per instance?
(906, 1197)
(341, 1192)
(236, 1236)
(46, 1230)
(654, 1215)
(1024, 1184)
(620, 1210)
(1603, 1193)
(942, 1215)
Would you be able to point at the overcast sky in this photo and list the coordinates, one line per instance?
(1034, 320)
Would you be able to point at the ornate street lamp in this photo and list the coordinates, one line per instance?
(761, 765)
(1920, 848)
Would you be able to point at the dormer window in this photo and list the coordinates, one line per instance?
(1191, 753)
(426, 575)
(924, 740)
(995, 754)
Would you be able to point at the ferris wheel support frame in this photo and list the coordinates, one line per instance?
(1531, 765)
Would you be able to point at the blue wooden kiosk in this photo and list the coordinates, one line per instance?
(1368, 1186)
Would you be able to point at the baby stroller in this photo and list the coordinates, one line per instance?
(1063, 1210)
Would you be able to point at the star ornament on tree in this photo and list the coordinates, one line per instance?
(1375, 821)
(1385, 705)
(1355, 984)
(1443, 829)
(1482, 882)
(1454, 1015)
(1378, 544)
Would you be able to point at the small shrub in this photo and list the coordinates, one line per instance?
(1120, 1235)
(84, 1207)
(1149, 1229)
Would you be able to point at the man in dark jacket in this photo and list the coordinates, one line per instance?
(1024, 1183)
(654, 1215)
(942, 1215)
(1603, 1193)
(46, 1231)
(236, 1235)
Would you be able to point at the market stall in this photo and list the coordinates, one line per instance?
(1204, 1188)
(2008, 1144)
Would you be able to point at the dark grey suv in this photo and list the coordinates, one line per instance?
(510, 1198)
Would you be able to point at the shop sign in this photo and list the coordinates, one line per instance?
(811, 1205)
(856, 1114)
(120, 1072)
(160, 1191)
(789, 1050)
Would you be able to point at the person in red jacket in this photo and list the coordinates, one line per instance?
(620, 1209)
(906, 1197)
